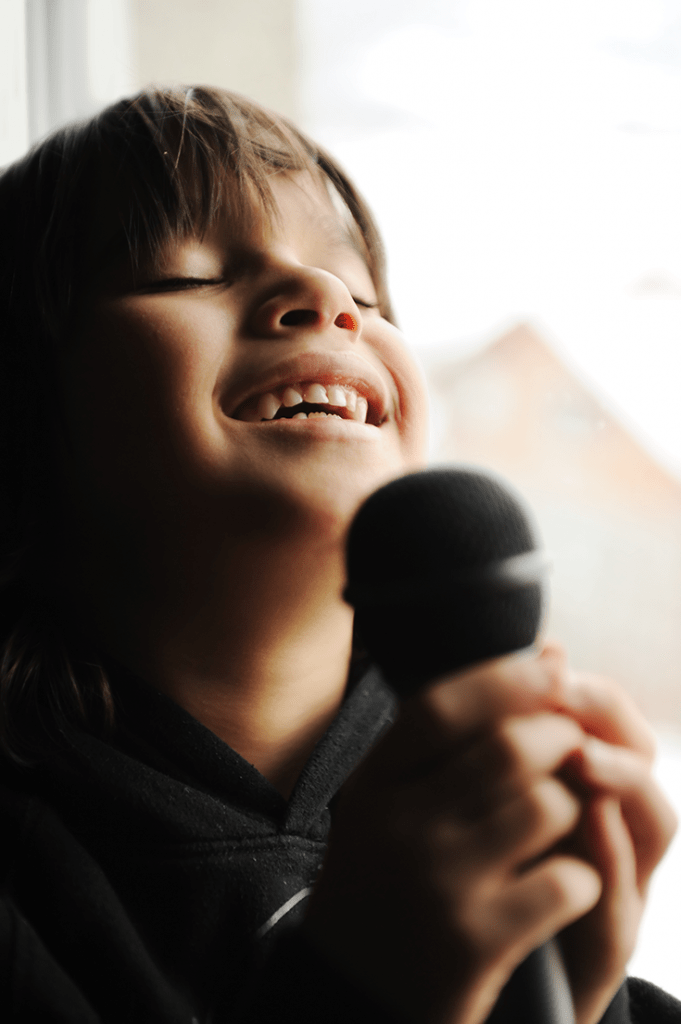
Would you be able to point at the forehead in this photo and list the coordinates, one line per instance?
(308, 207)
(302, 213)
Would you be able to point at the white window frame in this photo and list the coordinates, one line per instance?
(60, 60)
(14, 136)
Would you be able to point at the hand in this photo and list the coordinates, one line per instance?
(625, 830)
(443, 870)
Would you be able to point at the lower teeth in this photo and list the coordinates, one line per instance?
(311, 415)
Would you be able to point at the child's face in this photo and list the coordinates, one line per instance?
(177, 385)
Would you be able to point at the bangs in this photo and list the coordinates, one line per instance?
(160, 166)
(172, 159)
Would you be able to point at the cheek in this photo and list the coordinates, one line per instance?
(390, 346)
(138, 391)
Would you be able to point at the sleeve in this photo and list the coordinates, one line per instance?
(69, 954)
(32, 985)
(641, 1002)
(650, 1005)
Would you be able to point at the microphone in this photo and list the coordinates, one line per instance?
(444, 571)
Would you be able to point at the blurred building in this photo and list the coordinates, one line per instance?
(610, 516)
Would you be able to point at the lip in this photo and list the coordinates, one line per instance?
(323, 368)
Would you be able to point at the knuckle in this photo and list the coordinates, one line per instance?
(551, 804)
(473, 910)
(557, 888)
(545, 812)
(534, 806)
(569, 886)
(532, 814)
(572, 734)
(506, 746)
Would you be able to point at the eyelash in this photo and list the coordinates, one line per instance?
(185, 283)
(181, 283)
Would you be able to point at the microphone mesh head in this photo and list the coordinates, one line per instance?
(420, 555)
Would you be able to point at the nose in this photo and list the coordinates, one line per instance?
(304, 298)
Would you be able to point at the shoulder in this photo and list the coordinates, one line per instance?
(37, 848)
(648, 1004)
(17, 809)
(32, 984)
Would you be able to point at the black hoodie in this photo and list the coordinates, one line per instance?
(159, 878)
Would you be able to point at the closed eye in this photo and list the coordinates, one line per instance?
(179, 284)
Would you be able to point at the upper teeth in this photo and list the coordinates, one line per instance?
(340, 397)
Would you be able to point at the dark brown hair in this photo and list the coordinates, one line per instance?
(158, 166)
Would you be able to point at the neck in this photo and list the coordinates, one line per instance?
(254, 642)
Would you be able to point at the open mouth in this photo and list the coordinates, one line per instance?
(309, 400)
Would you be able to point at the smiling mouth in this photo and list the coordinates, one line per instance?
(309, 400)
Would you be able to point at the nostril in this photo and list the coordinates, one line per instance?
(346, 321)
(297, 317)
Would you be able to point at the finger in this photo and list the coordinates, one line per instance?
(543, 901)
(556, 651)
(649, 816)
(451, 710)
(514, 684)
(506, 841)
(598, 946)
(527, 827)
(613, 855)
(498, 765)
(603, 709)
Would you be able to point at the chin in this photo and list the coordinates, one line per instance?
(306, 488)
(330, 506)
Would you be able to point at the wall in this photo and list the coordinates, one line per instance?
(246, 45)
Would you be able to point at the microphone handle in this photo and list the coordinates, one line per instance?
(445, 561)
(537, 992)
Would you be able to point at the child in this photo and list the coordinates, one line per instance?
(201, 381)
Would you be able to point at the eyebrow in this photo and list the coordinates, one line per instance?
(342, 235)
